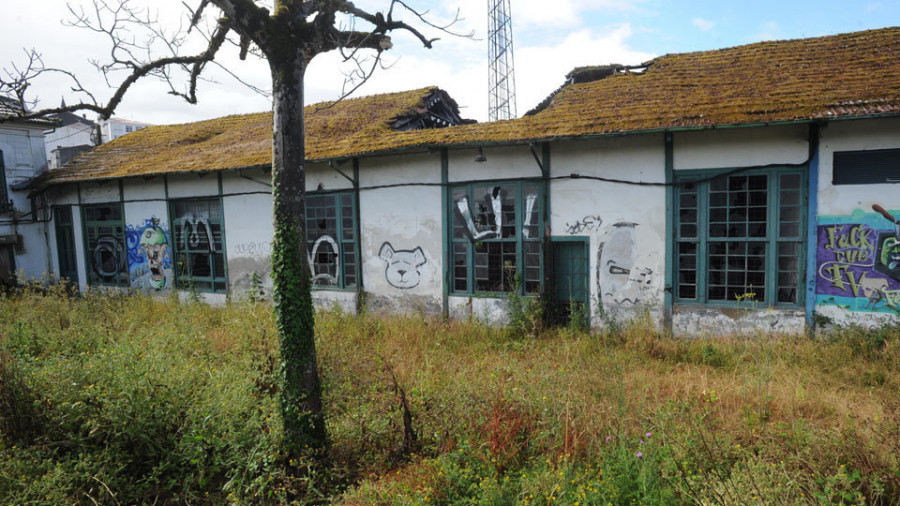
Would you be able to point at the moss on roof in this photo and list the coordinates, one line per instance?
(239, 141)
(839, 76)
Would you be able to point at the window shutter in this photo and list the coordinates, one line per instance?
(877, 166)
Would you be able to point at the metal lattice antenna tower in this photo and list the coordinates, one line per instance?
(501, 75)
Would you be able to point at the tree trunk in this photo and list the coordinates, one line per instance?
(300, 396)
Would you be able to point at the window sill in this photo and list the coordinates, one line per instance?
(738, 306)
(351, 289)
(492, 295)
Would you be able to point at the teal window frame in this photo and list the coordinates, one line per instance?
(64, 228)
(334, 212)
(104, 241)
(467, 264)
(710, 260)
(190, 261)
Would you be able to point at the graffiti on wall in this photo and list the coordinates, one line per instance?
(192, 225)
(402, 270)
(108, 258)
(586, 224)
(620, 282)
(252, 248)
(323, 264)
(487, 222)
(149, 260)
(858, 261)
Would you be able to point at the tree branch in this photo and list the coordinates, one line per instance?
(249, 20)
(19, 84)
(215, 42)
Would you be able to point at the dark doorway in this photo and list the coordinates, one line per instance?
(569, 294)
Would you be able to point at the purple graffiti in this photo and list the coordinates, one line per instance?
(857, 261)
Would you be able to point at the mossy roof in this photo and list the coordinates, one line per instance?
(839, 76)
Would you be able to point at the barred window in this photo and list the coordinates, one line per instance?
(198, 242)
(740, 238)
(331, 239)
(496, 237)
(104, 239)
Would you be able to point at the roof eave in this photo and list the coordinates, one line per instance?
(430, 147)
(427, 147)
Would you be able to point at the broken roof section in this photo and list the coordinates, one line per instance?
(835, 77)
(437, 110)
(241, 141)
(848, 75)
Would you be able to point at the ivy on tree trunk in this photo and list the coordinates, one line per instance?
(301, 399)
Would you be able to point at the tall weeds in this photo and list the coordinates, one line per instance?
(132, 399)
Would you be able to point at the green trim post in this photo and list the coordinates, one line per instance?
(224, 238)
(5, 201)
(357, 247)
(547, 247)
(670, 229)
(446, 231)
(812, 206)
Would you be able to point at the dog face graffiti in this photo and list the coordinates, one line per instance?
(402, 269)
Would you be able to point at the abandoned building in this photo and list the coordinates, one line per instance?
(747, 187)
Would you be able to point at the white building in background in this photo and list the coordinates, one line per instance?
(23, 220)
(113, 128)
(73, 134)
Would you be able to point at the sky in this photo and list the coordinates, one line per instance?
(548, 43)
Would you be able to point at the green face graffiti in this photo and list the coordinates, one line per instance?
(890, 253)
(154, 244)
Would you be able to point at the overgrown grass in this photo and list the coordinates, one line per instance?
(126, 400)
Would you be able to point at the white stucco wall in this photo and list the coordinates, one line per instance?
(104, 192)
(247, 207)
(850, 287)
(76, 134)
(740, 147)
(625, 224)
(23, 156)
(502, 162)
(401, 233)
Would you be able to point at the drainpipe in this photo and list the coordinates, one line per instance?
(360, 286)
(668, 288)
(46, 224)
(812, 222)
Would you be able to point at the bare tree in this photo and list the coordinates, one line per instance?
(288, 38)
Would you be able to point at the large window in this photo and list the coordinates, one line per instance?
(104, 234)
(496, 241)
(331, 239)
(740, 237)
(198, 231)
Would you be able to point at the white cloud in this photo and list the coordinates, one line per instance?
(703, 24)
(769, 30)
(458, 65)
(542, 69)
